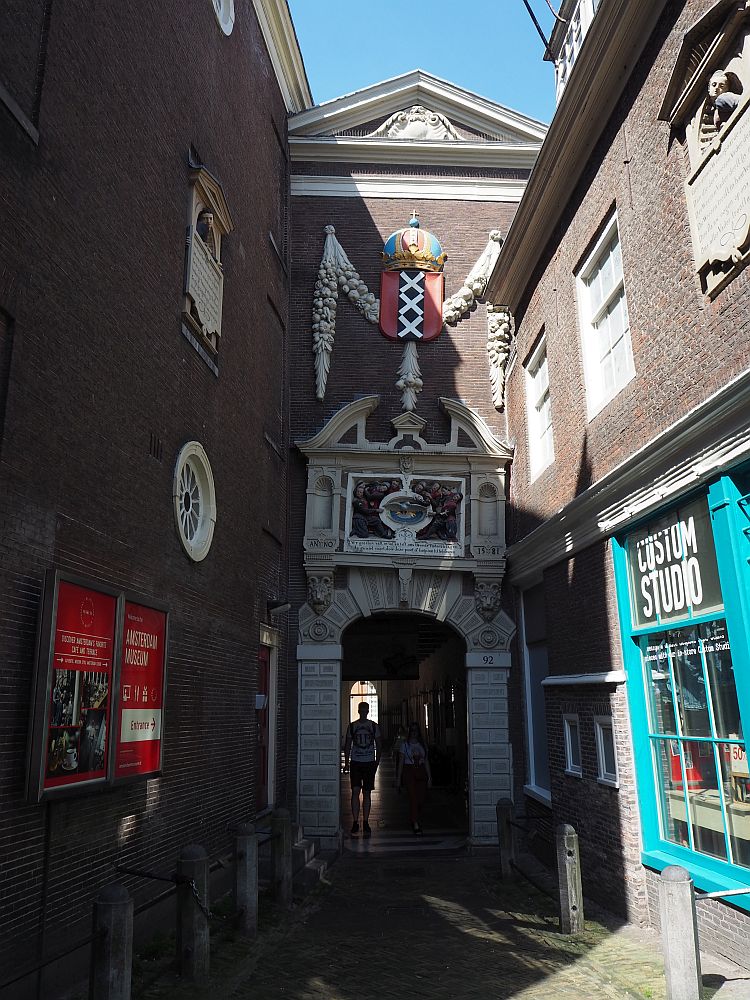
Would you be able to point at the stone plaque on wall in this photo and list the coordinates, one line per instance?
(204, 280)
(718, 196)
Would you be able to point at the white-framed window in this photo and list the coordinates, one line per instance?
(194, 497)
(578, 25)
(538, 411)
(606, 755)
(534, 631)
(605, 328)
(572, 732)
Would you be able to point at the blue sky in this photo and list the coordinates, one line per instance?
(488, 46)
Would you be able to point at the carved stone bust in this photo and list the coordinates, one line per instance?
(724, 90)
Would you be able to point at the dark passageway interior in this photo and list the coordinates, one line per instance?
(414, 666)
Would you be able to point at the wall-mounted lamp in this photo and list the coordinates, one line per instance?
(278, 607)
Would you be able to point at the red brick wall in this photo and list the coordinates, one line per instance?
(684, 347)
(92, 238)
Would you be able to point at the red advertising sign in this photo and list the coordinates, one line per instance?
(139, 721)
(78, 720)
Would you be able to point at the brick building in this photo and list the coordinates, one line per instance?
(187, 313)
(144, 413)
(627, 398)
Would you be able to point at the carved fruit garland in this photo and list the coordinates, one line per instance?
(336, 271)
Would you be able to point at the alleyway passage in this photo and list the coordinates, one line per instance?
(443, 928)
(404, 917)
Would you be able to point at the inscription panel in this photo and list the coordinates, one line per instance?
(204, 285)
(718, 196)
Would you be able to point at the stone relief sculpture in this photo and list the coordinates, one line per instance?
(319, 593)
(434, 505)
(500, 332)
(724, 94)
(487, 599)
(475, 283)
(336, 271)
(206, 229)
(410, 377)
(417, 123)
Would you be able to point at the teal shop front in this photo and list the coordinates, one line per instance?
(683, 582)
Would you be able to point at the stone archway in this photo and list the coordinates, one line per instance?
(436, 594)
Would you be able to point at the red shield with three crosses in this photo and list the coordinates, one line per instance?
(411, 304)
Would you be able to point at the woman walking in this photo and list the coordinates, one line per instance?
(414, 772)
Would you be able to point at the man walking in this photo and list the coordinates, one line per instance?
(362, 751)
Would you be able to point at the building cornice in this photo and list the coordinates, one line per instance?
(428, 188)
(613, 45)
(283, 49)
(349, 149)
(713, 437)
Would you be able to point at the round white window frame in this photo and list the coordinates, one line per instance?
(194, 455)
(224, 11)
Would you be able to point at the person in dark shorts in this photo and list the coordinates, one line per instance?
(362, 750)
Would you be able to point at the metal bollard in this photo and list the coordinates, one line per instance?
(505, 840)
(679, 934)
(281, 858)
(193, 946)
(112, 946)
(246, 879)
(569, 880)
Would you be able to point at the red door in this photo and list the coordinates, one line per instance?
(261, 714)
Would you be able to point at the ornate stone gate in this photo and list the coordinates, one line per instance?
(407, 526)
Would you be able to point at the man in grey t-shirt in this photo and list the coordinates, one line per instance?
(362, 750)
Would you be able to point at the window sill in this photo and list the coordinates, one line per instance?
(705, 879)
(199, 342)
(573, 774)
(538, 794)
(609, 782)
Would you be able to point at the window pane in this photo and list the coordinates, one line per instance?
(715, 643)
(608, 749)
(672, 808)
(658, 684)
(687, 665)
(736, 781)
(538, 670)
(574, 745)
(704, 797)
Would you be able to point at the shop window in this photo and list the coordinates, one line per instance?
(536, 669)
(688, 707)
(538, 411)
(572, 733)
(606, 756)
(605, 327)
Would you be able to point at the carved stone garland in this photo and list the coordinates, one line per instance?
(500, 332)
(410, 383)
(336, 270)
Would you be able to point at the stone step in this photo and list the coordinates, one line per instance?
(304, 851)
(308, 877)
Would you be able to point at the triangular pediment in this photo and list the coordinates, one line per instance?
(460, 115)
(710, 44)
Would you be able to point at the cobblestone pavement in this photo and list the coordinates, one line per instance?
(437, 927)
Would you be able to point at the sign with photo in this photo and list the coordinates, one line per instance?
(141, 691)
(79, 707)
(99, 688)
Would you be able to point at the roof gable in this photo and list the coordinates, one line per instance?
(463, 110)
